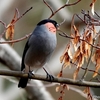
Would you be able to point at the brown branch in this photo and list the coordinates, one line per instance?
(23, 14)
(85, 69)
(17, 40)
(18, 17)
(65, 35)
(88, 19)
(48, 6)
(97, 14)
(81, 19)
(91, 70)
(56, 80)
(54, 12)
(3, 23)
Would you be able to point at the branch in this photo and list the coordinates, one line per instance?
(88, 63)
(54, 12)
(57, 80)
(17, 40)
(89, 19)
(48, 6)
(14, 20)
(63, 34)
(19, 17)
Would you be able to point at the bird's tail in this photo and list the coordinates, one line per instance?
(23, 82)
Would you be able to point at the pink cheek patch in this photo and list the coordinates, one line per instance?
(51, 27)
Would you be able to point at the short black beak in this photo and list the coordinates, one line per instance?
(57, 26)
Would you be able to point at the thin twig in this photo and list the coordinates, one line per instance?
(97, 14)
(88, 63)
(81, 19)
(23, 14)
(18, 14)
(63, 7)
(18, 17)
(91, 70)
(85, 68)
(67, 36)
(17, 40)
(91, 21)
(62, 22)
(3, 23)
(48, 6)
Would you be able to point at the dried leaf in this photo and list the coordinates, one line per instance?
(87, 91)
(92, 6)
(78, 58)
(60, 98)
(65, 58)
(76, 73)
(82, 47)
(76, 37)
(57, 88)
(94, 31)
(76, 30)
(63, 55)
(93, 58)
(96, 70)
(85, 47)
(96, 58)
(90, 38)
(10, 28)
(10, 32)
(66, 61)
(60, 74)
(67, 87)
(76, 55)
(81, 60)
(93, 1)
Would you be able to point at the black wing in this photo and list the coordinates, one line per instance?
(23, 57)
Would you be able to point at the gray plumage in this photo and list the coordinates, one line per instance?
(38, 50)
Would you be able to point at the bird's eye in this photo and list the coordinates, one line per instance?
(57, 25)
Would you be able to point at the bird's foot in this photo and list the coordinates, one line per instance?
(49, 77)
(30, 74)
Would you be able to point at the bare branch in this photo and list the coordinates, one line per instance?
(17, 40)
(3, 23)
(89, 19)
(54, 12)
(63, 34)
(23, 14)
(85, 69)
(57, 80)
(13, 21)
(48, 6)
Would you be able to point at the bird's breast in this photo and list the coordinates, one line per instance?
(40, 49)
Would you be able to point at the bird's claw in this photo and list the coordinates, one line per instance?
(49, 77)
(30, 74)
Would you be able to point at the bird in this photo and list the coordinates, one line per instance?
(39, 47)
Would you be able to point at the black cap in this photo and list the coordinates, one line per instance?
(48, 20)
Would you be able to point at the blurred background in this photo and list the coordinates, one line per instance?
(27, 24)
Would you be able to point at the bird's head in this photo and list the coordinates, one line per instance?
(52, 25)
